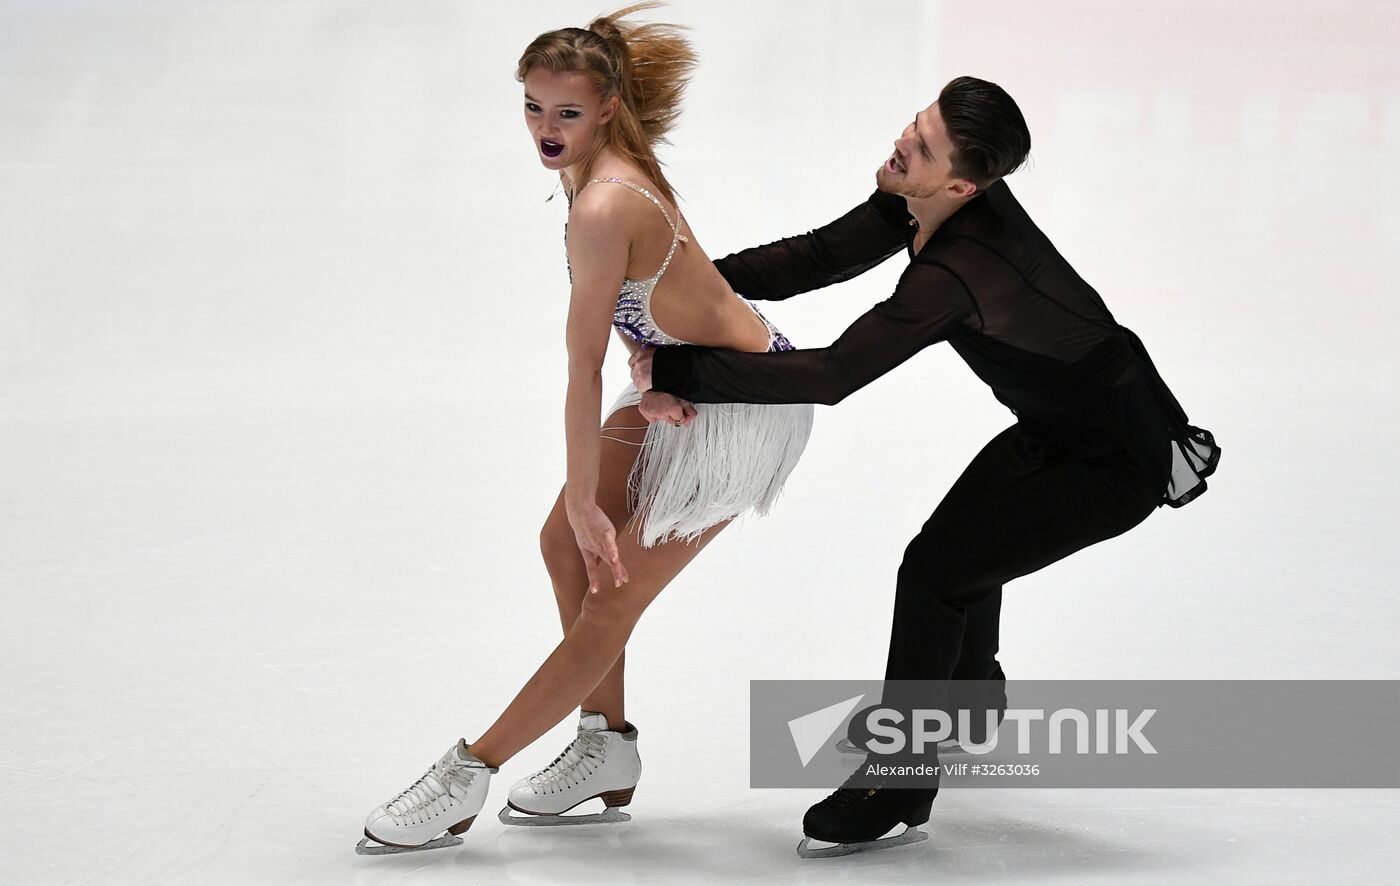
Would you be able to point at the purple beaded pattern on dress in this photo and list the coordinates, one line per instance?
(631, 314)
(780, 341)
(633, 317)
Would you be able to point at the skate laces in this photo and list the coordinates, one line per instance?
(433, 791)
(848, 796)
(583, 755)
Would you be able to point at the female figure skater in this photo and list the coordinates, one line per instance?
(597, 101)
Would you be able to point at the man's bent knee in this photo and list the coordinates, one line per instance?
(926, 573)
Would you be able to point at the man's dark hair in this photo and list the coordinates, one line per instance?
(989, 135)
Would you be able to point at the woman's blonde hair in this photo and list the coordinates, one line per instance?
(646, 65)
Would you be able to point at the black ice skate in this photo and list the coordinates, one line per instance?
(856, 820)
(846, 747)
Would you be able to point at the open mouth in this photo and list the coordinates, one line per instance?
(895, 164)
(551, 149)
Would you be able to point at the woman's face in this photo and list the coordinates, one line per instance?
(563, 113)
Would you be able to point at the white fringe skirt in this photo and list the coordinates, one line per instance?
(732, 457)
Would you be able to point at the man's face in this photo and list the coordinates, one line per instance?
(921, 165)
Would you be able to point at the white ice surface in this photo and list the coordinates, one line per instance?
(281, 386)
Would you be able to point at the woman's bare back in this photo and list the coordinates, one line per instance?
(691, 301)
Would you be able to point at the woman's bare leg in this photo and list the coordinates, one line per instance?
(602, 622)
(622, 435)
(570, 580)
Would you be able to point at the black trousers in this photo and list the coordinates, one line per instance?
(1014, 510)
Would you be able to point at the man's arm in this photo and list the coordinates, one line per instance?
(929, 305)
(845, 248)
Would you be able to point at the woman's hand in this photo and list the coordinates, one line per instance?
(597, 542)
(656, 406)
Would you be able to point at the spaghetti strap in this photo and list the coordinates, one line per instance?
(632, 314)
(676, 235)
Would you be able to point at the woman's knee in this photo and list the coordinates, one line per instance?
(557, 543)
(613, 610)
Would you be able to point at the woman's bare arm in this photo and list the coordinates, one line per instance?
(598, 245)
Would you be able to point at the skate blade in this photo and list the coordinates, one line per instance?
(910, 835)
(531, 820)
(946, 746)
(366, 847)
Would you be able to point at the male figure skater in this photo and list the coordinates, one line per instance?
(1099, 441)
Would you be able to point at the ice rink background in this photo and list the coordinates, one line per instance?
(281, 389)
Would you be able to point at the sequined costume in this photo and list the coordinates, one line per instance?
(731, 458)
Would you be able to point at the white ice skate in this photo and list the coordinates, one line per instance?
(599, 762)
(432, 811)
